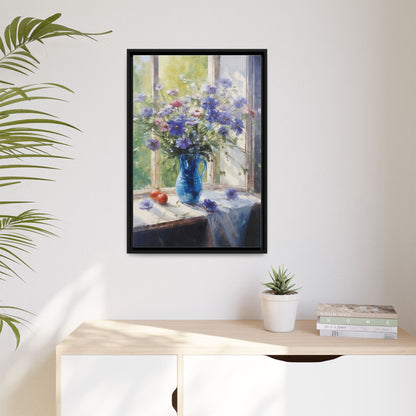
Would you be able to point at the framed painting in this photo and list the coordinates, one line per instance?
(196, 151)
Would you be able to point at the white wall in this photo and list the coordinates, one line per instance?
(341, 153)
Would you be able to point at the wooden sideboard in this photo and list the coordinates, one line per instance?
(229, 368)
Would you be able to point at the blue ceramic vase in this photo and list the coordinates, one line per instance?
(189, 182)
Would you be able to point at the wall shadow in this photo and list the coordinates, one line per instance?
(28, 377)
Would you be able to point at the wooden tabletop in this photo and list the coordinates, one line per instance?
(220, 337)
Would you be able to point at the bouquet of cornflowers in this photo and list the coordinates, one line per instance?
(211, 118)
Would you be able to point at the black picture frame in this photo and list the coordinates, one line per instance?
(158, 238)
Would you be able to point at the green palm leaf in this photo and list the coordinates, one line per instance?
(19, 136)
(21, 32)
(12, 320)
(26, 135)
(16, 236)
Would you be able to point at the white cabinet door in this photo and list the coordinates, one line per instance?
(104, 385)
(262, 386)
(353, 385)
(233, 386)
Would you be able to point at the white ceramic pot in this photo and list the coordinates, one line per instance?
(279, 311)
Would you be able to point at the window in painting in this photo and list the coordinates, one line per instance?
(142, 83)
(190, 67)
(238, 166)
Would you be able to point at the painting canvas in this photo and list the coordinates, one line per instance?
(196, 151)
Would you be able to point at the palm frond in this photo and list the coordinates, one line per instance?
(14, 45)
(26, 135)
(13, 320)
(16, 237)
(20, 136)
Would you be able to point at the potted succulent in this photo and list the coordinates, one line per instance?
(280, 301)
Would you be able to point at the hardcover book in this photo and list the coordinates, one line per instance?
(357, 311)
(343, 320)
(356, 334)
(356, 328)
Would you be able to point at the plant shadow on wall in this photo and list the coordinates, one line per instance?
(30, 140)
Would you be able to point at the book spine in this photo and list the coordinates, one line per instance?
(336, 320)
(389, 329)
(389, 316)
(356, 334)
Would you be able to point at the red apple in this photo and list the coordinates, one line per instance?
(155, 194)
(162, 199)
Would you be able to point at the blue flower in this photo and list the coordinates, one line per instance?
(210, 89)
(225, 83)
(165, 111)
(140, 97)
(212, 116)
(210, 206)
(192, 121)
(146, 204)
(183, 143)
(225, 118)
(158, 87)
(181, 118)
(238, 126)
(209, 103)
(147, 112)
(176, 127)
(223, 131)
(153, 144)
(240, 102)
(173, 93)
(231, 194)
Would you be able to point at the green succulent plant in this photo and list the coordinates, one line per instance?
(29, 139)
(281, 282)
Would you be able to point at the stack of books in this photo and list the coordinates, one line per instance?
(357, 321)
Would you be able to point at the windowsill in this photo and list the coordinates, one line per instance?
(139, 193)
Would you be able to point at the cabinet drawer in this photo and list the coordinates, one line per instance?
(128, 385)
(263, 386)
